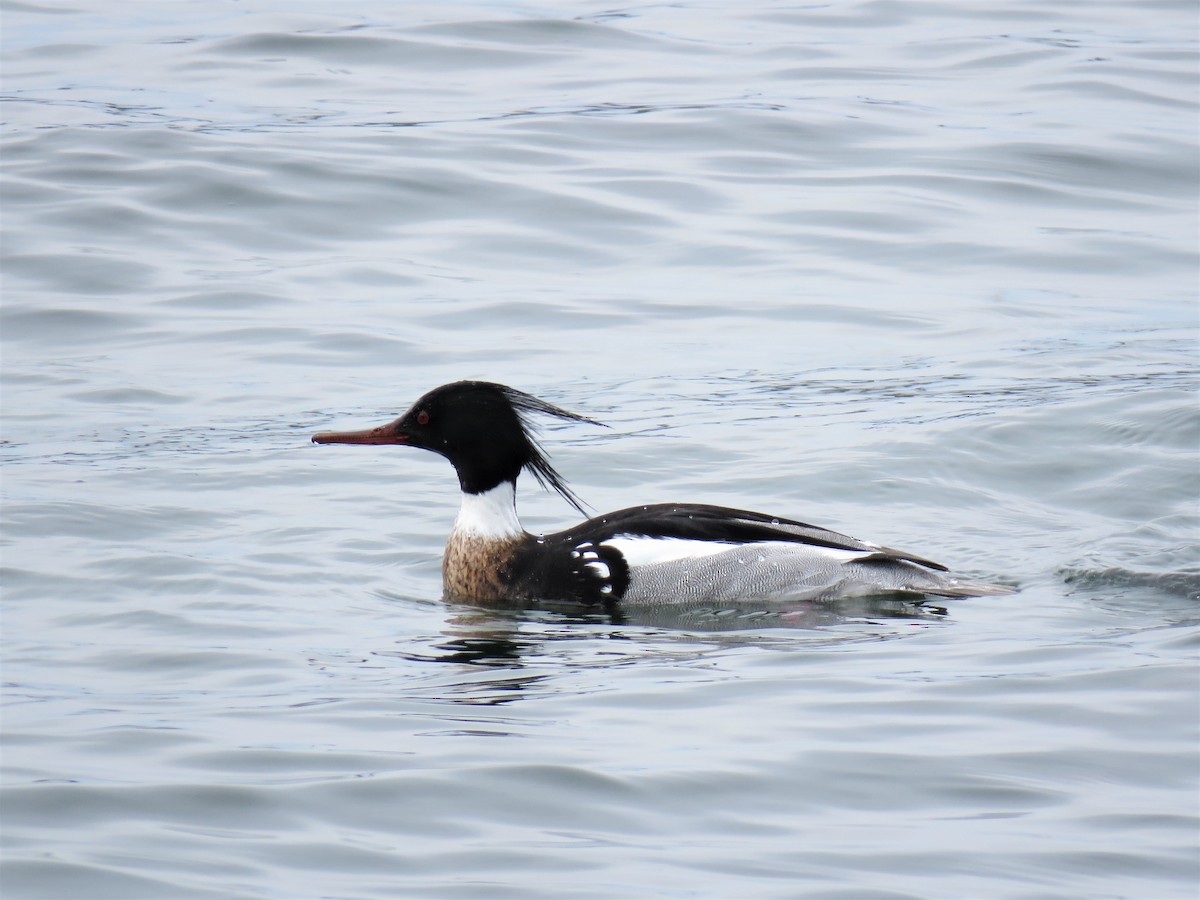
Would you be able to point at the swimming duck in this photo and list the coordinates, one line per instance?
(665, 552)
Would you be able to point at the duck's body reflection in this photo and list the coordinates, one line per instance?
(508, 634)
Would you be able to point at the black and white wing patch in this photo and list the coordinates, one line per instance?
(693, 522)
(600, 570)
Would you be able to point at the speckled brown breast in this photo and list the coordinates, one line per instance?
(475, 568)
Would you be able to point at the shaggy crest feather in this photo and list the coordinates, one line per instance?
(539, 464)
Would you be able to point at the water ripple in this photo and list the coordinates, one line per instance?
(921, 272)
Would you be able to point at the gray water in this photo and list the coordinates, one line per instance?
(921, 272)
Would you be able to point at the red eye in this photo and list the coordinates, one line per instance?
(422, 418)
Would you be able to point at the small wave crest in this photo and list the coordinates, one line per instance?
(1179, 584)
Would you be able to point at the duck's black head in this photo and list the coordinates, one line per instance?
(483, 428)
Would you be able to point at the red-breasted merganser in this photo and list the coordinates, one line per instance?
(667, 552)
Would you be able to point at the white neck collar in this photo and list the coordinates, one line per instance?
(492, 514)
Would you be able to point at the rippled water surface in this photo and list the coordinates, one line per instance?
(923, 272)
